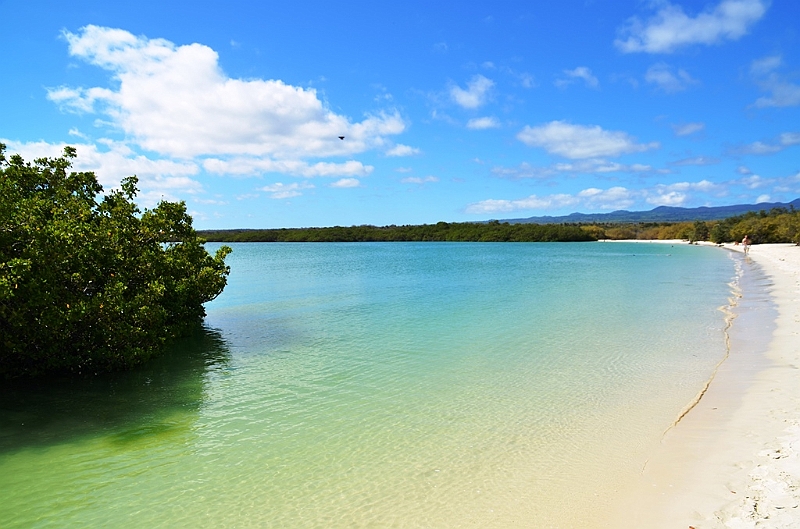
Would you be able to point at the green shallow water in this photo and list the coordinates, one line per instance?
(383, 385)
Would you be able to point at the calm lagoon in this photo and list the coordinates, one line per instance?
(384, 384)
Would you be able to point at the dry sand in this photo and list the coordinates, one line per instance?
(733, 461)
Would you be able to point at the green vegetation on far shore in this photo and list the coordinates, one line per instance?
(776, 225)
(443, 231)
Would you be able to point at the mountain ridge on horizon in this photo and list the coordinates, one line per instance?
(658, 214)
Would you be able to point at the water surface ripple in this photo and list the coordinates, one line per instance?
(383, 385)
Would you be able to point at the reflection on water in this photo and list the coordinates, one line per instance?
(124, 405)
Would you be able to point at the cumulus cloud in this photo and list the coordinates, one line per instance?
(580, 141)
(668, 79)
(280, 190)
(688, 129)
(671, 28)
(476, 94)
(782, 92)
(677, 194)
(754, 181)
(483, 123)
(158, 179)
(176, 101)
(581, 72)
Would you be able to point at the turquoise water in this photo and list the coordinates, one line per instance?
(383, 385)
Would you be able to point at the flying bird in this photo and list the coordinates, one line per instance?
(341, 137)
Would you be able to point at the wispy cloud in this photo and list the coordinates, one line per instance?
(581, 72)
(785, 140)
(617, 197)
(581, 141)
(687, 129)
(668, 79)
(346, 183)
(782, 92)
(419, 181)
(250, 166)
(475, 95)
(280, 190)
(402, 150)
(670, 28)
(590, 166)
(696, 160)
(684, 193)
(483, 123)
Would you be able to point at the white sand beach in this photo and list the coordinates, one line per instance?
(733, 461)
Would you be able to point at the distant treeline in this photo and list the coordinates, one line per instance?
(776, 225)
(493, 231)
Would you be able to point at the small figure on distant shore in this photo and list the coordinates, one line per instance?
(746, 244)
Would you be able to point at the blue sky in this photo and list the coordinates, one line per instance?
(484, 110)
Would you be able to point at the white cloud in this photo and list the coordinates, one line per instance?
(402, 150)
(581, 72)
(668, 79)
(591, 166)
(787, 139)
(527, 80)
(157, 178)
(753, 181)
(743, 170)
(579, 141)
(483, 123)
(670, 28)
(783, 93)
(476, 94)
(346, 182)
(279, 190)
(688, 129)
(677, 194)
(593, 198)
(765, 65)
(176, 101)
(420, 181)
(532, 202)
(612, 198)
(762, 198)
(253, 166)
(697, 160)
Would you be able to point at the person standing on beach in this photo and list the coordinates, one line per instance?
(746, 244)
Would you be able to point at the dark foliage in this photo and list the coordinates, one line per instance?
(89, 285)
(465, 231)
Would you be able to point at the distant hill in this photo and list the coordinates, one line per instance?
(659, 214)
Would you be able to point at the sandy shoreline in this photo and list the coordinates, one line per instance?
(734, 460)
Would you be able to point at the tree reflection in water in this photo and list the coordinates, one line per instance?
(126, 406)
